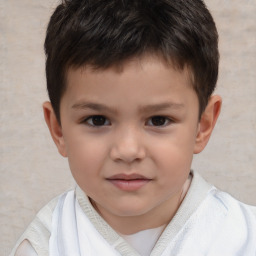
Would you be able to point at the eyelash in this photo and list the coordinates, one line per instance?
(166, 120)
(89, 121)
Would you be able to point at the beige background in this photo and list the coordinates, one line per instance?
(32, 172)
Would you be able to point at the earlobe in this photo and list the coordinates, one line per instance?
(54, 128)
(207, 123)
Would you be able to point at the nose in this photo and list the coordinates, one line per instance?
(127, 146)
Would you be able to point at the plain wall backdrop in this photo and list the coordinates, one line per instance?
(32, 172)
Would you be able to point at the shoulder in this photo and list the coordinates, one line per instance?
(237, 215)
(230, 204)
(253, 209)
(35, 239)
(222, 202)
(228, 224)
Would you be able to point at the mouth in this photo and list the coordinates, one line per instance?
(131, 182)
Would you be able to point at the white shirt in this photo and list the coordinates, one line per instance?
(208, 222)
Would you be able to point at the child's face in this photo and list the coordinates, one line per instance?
(130, 135)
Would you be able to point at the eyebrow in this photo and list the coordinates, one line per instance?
(161, 106)
(93, 106)
(146, 108)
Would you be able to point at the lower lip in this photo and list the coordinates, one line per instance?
(129, 185)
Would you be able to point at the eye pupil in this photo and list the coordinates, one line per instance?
(98, 120)
(158, 120)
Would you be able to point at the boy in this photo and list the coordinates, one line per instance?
(130, 86)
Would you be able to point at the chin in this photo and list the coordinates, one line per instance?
(130, 210)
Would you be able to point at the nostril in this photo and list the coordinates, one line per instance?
(127, 153)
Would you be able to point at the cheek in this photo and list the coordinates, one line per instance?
(86, 157)
(174, 157)
(174, 163)
(175, 149)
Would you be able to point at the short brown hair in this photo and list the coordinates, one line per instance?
(103, 33)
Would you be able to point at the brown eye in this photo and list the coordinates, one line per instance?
(97, 121)
(158, 121)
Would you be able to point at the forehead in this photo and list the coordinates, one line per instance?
(141, 65)
(143, 79)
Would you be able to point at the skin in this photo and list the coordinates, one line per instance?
(133, 159)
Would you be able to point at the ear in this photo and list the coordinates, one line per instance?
(207, 123)
(54, 128)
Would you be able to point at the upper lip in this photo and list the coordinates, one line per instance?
(123, 176)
